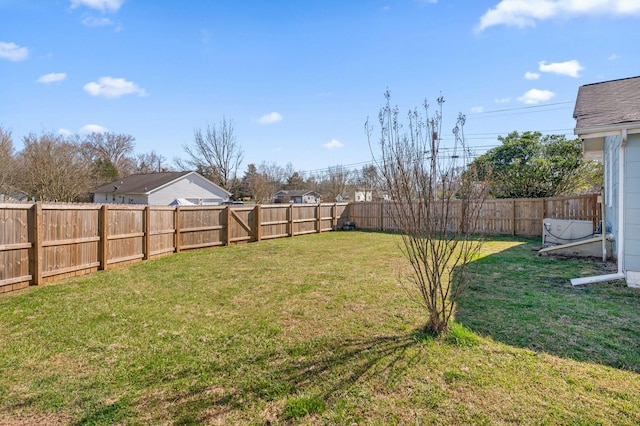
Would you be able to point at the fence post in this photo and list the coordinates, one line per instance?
(36, 241)
(290, 218)
(146, 249)
(513, 217)
(334, 216)
(103, 227)
(228, 226)
(257, 212)
(176, 225)
(382, 216)
(319, 218)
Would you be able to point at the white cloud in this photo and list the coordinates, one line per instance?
(93, 22)
(525, 13)
(535, 96)
(613, 57)
(334, 143)
(531, 75)
(65, 132)
(101, 5)
(93, 128)
(568, 68)
(110, 87)
(272, 117)
(503, 100)
(477, 109)
(13, 52)
(53, 77)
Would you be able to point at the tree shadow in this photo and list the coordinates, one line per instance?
(526, 300)
(321, 374)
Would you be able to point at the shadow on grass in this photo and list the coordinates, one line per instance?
(317, 377)
(525, 300)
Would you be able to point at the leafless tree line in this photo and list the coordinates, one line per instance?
(337, 183)
(53, 167)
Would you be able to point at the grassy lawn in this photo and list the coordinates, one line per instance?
(316, 330)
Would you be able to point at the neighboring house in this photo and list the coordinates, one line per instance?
(302, 196)
(608, 122)
(175, 188)
(362, 195)
(13, 196)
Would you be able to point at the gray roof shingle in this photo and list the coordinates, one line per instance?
(608, 103)
(139, 183)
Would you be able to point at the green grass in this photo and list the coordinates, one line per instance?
(316, 330)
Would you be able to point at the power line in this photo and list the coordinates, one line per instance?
(529, 109)
(521, 108)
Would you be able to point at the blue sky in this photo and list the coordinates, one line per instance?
(299, 78)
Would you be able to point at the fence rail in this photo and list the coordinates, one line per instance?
(41, 243)
(518, 217)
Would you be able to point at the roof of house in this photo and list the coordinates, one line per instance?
(608, 103)
(297, 192)
(140, 183)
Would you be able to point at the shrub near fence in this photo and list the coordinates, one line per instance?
(518, 217)
(41, 243)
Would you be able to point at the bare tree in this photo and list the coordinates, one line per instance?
(114, 148)
(150, 162)
(367, 177)
(52, 169)
(6, 161)
(266, 181)
(333, 183)
(435, 207)
(215, 154)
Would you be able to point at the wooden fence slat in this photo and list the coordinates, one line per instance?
(36, 240)
(258, 219)
(102, 226)
(146, 246)
(176, 225)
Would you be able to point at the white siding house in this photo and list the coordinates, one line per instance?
(608, 122)
(297, 197)
(162, 189)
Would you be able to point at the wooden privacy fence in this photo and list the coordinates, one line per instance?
(41, 243)
(519, 217)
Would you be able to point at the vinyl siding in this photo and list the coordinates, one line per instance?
(191, 187)
(632, 204)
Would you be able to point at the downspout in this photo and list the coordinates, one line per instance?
(620, 243)
(621, 169)
(603, 224)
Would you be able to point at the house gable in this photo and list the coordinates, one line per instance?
(193, 187)
(161, 189)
